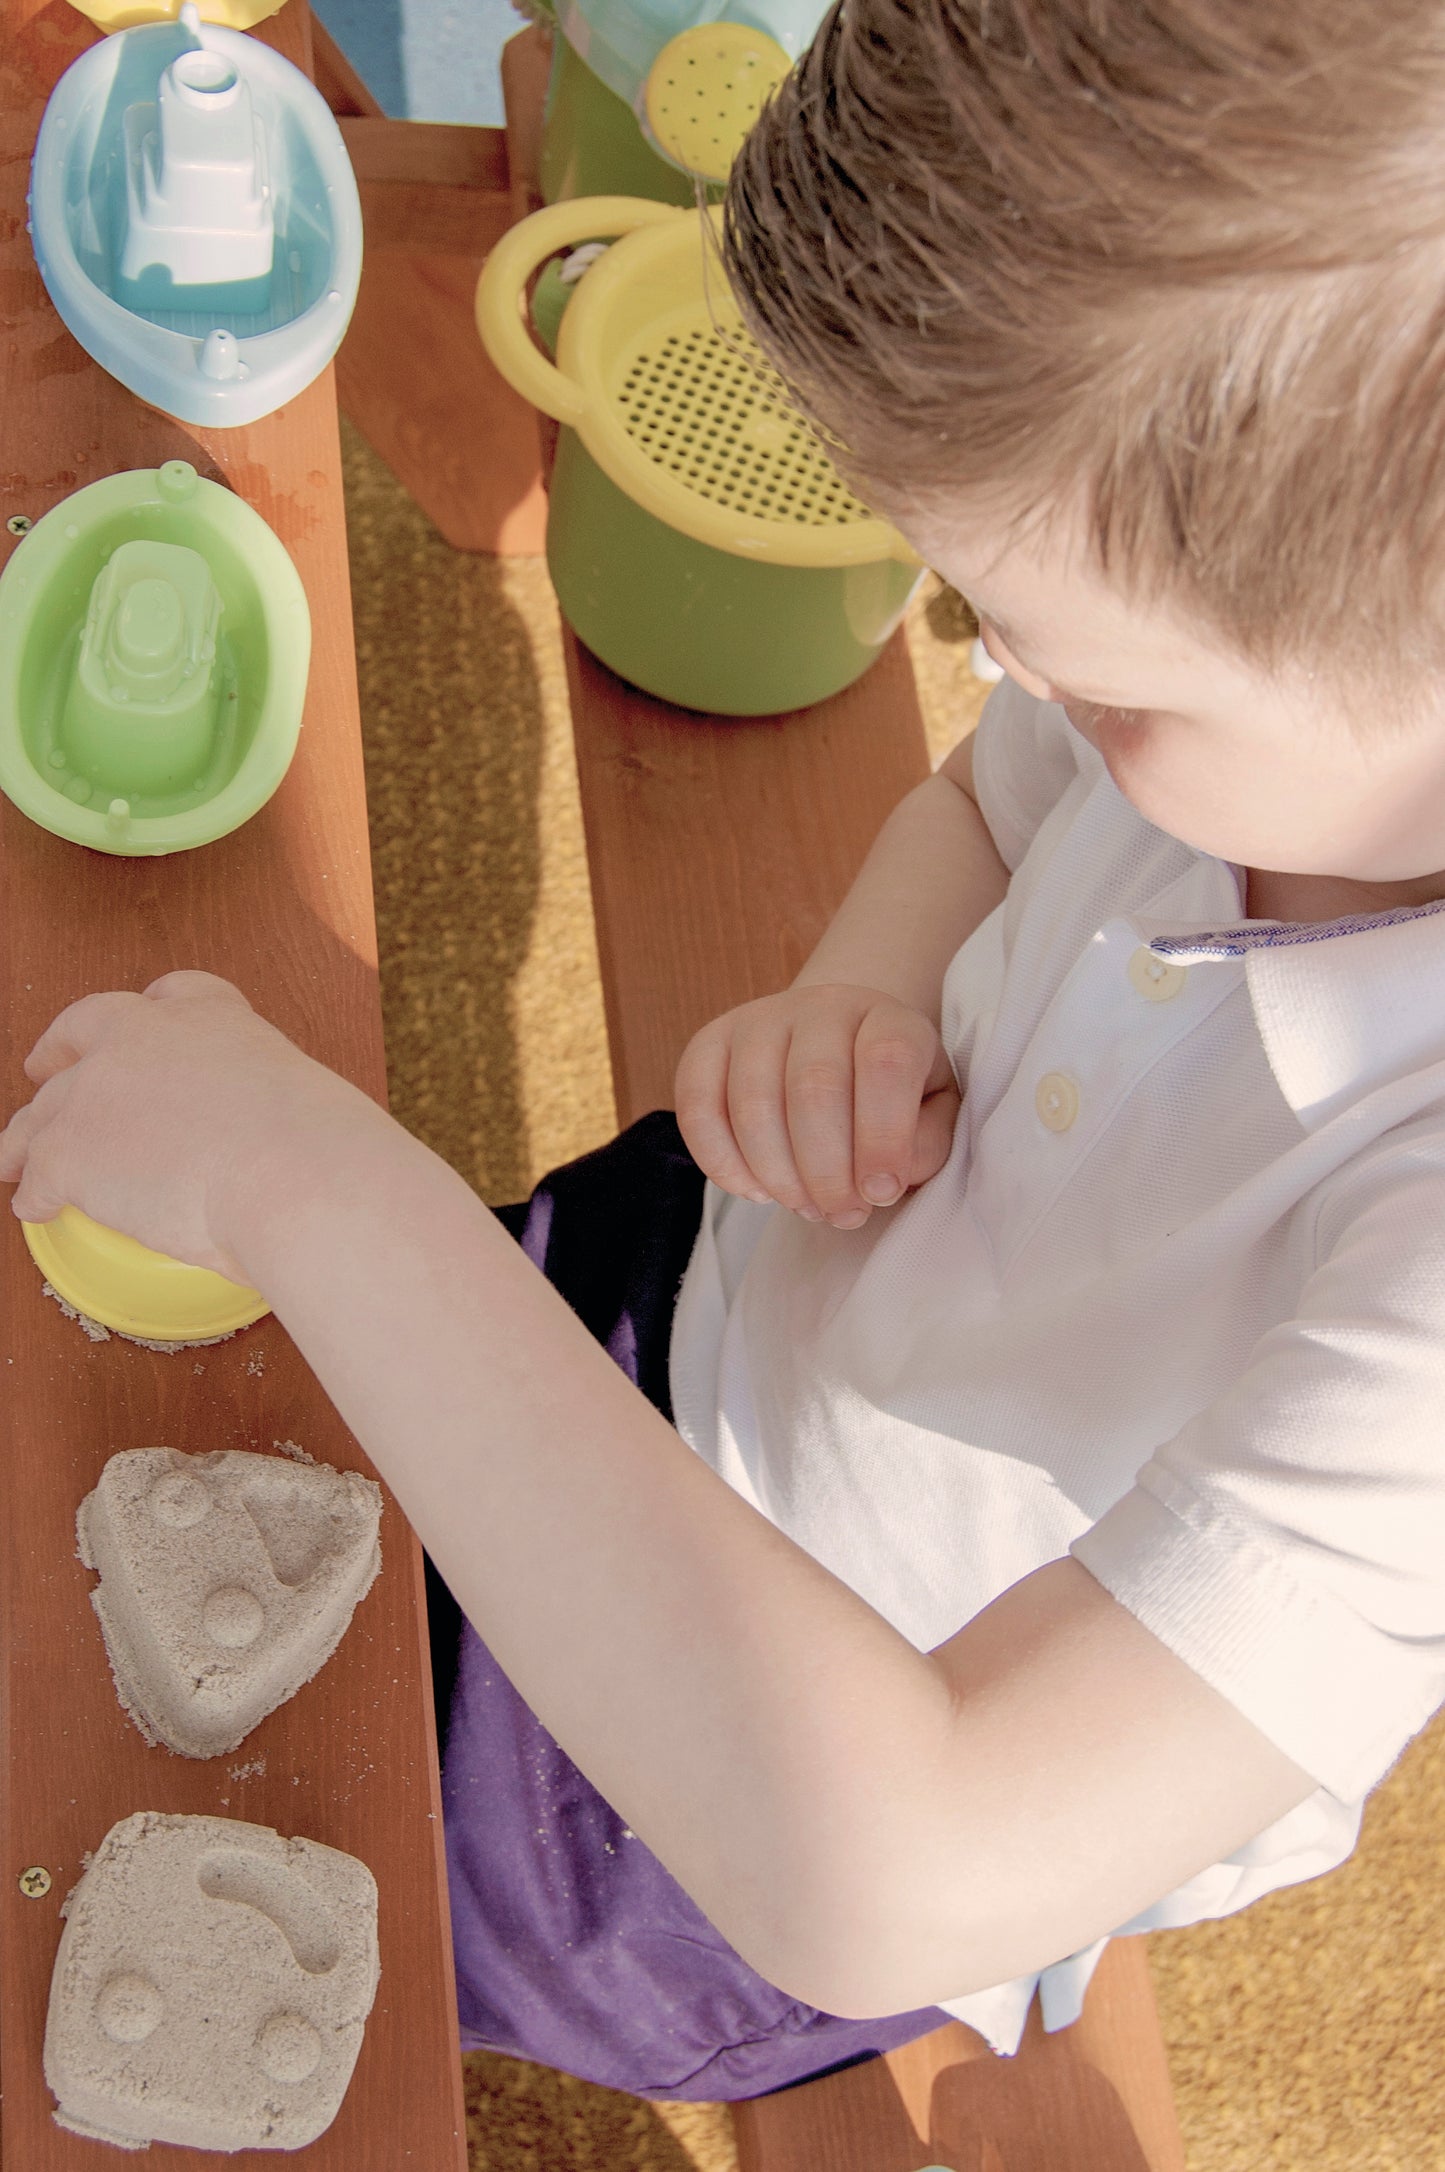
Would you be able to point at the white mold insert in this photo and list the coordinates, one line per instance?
(211, 1987)
(226, 1581)
(199, 228)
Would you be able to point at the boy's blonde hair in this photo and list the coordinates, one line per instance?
(1177, 263)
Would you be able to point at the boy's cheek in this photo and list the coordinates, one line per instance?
(1134, 754)
(1169, 779)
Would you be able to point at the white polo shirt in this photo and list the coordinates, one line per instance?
(1174, 1305)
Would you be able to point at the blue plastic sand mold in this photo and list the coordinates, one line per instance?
(195, 218)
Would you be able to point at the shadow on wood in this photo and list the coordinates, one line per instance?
(1091, 2098)
(412, 373)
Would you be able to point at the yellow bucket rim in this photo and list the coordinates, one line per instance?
(124, 1286)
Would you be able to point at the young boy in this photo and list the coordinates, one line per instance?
(1057, 1549)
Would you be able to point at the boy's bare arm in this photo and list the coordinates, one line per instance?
(932, 875)
(872, 1827)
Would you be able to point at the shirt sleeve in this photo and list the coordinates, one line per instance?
(1026, 754)
(1289, 1543)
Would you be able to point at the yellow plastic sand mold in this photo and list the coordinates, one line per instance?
(706, 88)
(126, 14)
(136, 1292)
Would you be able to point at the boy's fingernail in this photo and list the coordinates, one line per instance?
(882, 1190)
(763, 1199)
(810, 1214)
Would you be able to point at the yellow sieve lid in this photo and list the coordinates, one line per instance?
(667, 390)
(144, 1294)
(706, 88)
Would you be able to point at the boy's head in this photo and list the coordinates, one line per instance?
(1154, 288)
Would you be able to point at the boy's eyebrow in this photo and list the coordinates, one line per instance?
(1020, 650)
(1011, 640)
(1007, 634)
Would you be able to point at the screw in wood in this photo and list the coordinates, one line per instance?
(20, 524)
(35, 1882)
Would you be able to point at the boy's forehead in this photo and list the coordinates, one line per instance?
(1064, 620)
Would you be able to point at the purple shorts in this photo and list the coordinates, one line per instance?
(574, 1947)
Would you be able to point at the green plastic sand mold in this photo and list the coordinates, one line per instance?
(154, 645)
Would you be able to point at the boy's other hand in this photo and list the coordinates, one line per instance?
(161, 1114)
(831, 1100)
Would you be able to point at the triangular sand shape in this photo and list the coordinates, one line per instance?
(226, 1581)
(295, 1526)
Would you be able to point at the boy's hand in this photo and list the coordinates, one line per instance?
(161, 1114)
(831, 1100)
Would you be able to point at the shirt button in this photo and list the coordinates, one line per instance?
(1155, 978)
(1056, 1098)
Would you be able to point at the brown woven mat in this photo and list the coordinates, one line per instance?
(1306, 2034)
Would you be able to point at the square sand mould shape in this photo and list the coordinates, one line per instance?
(212, 1986)
(226, 1581)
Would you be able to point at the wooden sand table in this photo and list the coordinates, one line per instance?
(283, 907)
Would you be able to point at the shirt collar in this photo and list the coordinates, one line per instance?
(1342, 1006)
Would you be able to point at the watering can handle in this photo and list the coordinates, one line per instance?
(501, 290)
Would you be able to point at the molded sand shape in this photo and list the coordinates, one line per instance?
(212, 1986)
(226, 1581)
(154, 648)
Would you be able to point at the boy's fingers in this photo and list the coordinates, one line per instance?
(16, 1139)
(933, 1141)
(759, 1096)
(892, 1063)
(820, 1110)
(700, 1093)
(75, 1032)
(34, 1201)
(190, 980)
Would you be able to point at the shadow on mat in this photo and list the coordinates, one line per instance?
(525, 2118)
(452, 729)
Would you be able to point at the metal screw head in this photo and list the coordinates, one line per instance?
(20, 524)
(35, 1882)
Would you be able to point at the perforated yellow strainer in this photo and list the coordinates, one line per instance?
(668, 391)
(706, 88)
(700, 539)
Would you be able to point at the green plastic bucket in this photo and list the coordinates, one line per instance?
(592, 144)
(699, 539)
(697, 626)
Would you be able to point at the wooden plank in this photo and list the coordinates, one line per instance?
(720, 848)
(1067, 2100)
(412, 373)
(414, 378)
(526, 67)
(526, 71)
(284, 908)
(421, 221)
(443, 153)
